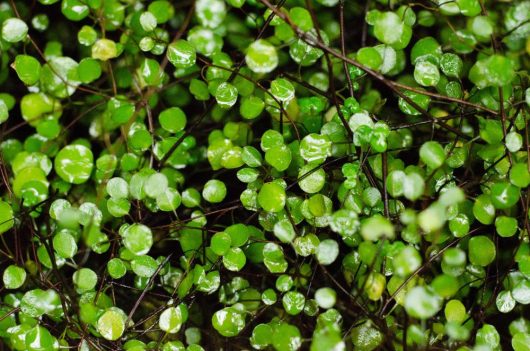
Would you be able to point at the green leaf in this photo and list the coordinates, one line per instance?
(505, 302)
(59, 76)
(64, 244)
(325, 297)
(395, 183)
(171, 320)
(111, 324)
(14, 277)
(407, 261)
(426, 49)
(286, 337)
(421, 302)
(220, 243)
(482, 250)
(282, 89)
(234, 259)
(514, 141)
(272, 197)
(390, 29)
(301, 18)
(260, 338)
(74, 163)
(377, 227)
(504, 195)
(4, 112)
(469, 8)
(506, 226)
(367, 336)
(104, 49)
(327, 251)
(293, 302)
(432, 154)
(311, 178)
(6, 217)
(88, 70)
(226, 95)
(455, 311)
(228, 321)
(521, 292)
(169, 200)
(42, 337)
(137, 238)
(451, 65)
(251, 107)
(210, 12)
(239, 234)
(375, 286)
(148, 21)
(14, 30)
(426, 74)
(117, 188)
(181, 54)
(87, 36)
(274, 259)
(521, 342)
(85, 279)
(483, 209)
(279, 157)
(74, 10)
(490, 130)
(488, 336)
(27, 68)
(144, 266)
(162, 10)
(370, 57)
(214, 191)
(421, 100)
(493, 71)
(519, 175)
(284, 231)
(156, 184)
(414, 186)
(116, 268)
(261, 57)
(37, 302)
(315, 148)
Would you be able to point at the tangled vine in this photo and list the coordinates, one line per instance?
(259, 174)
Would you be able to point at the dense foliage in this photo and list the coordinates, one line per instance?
(280, 175)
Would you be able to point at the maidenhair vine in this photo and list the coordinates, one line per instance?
(264, 174)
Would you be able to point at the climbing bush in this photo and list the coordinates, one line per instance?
(259, 174)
